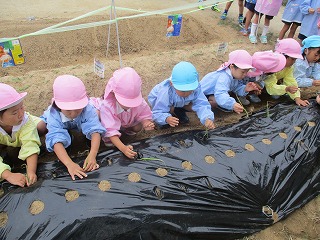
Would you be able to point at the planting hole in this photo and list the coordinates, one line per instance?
(3, 219)
(104, 185)
(71, 195)
(209, 159)
(230, 153)
(283, 135)
(36, 207)
(161, 172)
(186, 165)
(266, 141)
(297, 128)
(311, 124)
(134, 177)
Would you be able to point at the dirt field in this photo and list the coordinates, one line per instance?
(144, 47)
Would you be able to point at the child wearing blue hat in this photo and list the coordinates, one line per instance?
(171, 98)
(307, 70)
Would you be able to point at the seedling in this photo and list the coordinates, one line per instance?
(27, 177)
(268, 113)
(245, 110)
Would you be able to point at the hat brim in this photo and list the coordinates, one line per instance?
(297, 56)
(15, 102)
(130, 103)
(72, 105)
(186, 87)
(280, 66)
(243, 66)
(255, 73)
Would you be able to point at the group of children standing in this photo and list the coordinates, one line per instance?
(123, 110)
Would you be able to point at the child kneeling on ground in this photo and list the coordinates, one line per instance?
(171, 98)
(123, 109)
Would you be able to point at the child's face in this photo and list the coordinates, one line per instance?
(312, 54)
(12, 116)
(72, 114)
(290, 61)
(183, 93)
(238, 73)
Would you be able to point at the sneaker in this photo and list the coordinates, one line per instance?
(181, 114)
(224, 16)
(215, 8)
(243, 100)
(240, 21)
(254, 98)
(244, 32)
(201, 7)
(253, 39)
(263, 39)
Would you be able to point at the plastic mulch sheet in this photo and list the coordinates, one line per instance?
(221, 184)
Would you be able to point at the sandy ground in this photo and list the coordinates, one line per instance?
(144, 47)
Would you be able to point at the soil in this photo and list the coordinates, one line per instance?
(144, 47)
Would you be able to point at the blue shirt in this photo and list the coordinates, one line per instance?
(163, 96)
(306, 72)
(309, 22)
(58, 125)
(219, 84)
(292, 12)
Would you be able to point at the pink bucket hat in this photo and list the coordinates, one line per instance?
(267, 62)
(241, 58)
(126, 86)
(69, 93)
(289, 47)
(9, 97)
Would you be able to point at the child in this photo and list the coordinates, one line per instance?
(270, 9)
(307, 70)
(213, 8)
(123, 109)
(18, 129)
(264, 63)
(228, 5)
(309, 25)
(250, 5)
(70, 111)
(290, 48)
(181, 92)
(291, 18)
(217, 85)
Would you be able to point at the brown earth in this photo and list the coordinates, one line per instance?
(144, 47)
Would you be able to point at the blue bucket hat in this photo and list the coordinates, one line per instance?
(184, 77)
(312, 41)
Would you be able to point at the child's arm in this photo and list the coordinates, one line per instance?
(31, 169)
(73, 168)
(14, 178)
(126, 150)
(90, 163)
(148, 124)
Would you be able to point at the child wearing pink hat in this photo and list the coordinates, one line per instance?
(171, 98)
(18, 129)
(264, 63)
(290, 48)
(123, 109)
(70, 111)
(217, 85)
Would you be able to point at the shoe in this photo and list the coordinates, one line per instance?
(254, 98)
(201, 7)
(252, 38)
(215, 8)
(275, 97)
(181, 114)
(244, 32)
(263, 39)
(240, 21)
(243, 100)
(224, 16)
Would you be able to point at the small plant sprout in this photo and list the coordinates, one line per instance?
(26, 167)
(245, 110)
(268, 113)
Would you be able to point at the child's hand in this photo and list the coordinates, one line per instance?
(301, 102)
(148, 125)
(316, 83)
(31, 178)
(75, 170)
(311, 10)
(292, 89)
(318, 99)
(14, 178)
(237, 108)
(172, 121)
(209, 124)
(128, 151)
(90, 164)
(251, 86)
